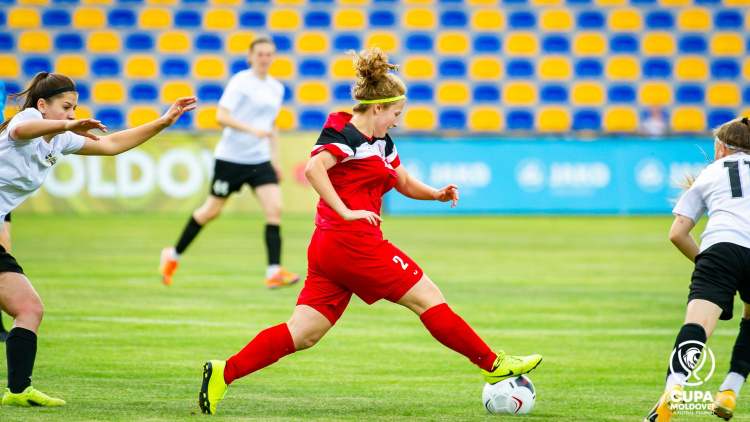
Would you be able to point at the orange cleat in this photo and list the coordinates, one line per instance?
(282, 278)
(167, 266)
(724, 404)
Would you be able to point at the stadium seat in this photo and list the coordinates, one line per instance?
(609, 3)
(143, 92)
(659, 19)
(288, 94)
(691, 68)
(105, 67)
(88, 18)
(209, 67)
(419, 19)
(623, 44)
(208, 42)
(452, 68)
(519, 120)
(486, 93)
(589, 68)
(387, 41)
(453, 19)
(175, 67)
(694, 19)
(625, 20)
(587, 120)
(312, 43)
(690, 94)
(745, 98)
(554, 68)
(452, 43)
(252, 20)
(69, 42)
(487, 20)
(718, 117)
(285, 120)
(419, 118)
(84, 93)
(553, 120)
(6, 42)
(282, 68)
(154, 19)
(727, 44)
(346, 42)
(343, 68)
(746, 72)
(725, 69)
(140, 67)
(8, 67)
(343, 92)
(710, 2)
(556, 20)
(138, 116)
(652, 94)
(688, 119)
(139, 42)
(23, 18)
(171, 91)
(421, 92)
(590, 20)
(675, 3)
(587, 44)
(621, 94)
(657, 68)
(521, 44)
(419, 42)
(519, 94)
(73, 66)
(34, 42)
(728, 19)
(658, 44)
(519, 69)
(56, 18)
(283, 42)
(110, 117)
(239, 43)
(349, 19)
(312, 119)
(723, 95)
(588, 94)
(173, 42)
(122, 18)
(187, 19)
(382, 19)
(453, 93)
(104, 42)
(312, 68)
(485, 119)
(487, 44)
(206, 118)
(522, 20)
(108, 92)
(692, 44)
(485, 68)
(317, 19)
(220, 20)
(553, 94)
(620, 120)
(622, 68)
(452, 119)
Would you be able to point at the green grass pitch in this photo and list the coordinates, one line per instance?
(601, 298)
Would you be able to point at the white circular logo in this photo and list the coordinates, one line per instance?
(693, 362)
(530, 175)
(650, 175)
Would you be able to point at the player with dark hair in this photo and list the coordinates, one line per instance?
(5, 226)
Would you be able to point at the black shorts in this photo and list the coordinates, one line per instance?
(7, 217)
(720, 272)
(229, 177)
(8, 263)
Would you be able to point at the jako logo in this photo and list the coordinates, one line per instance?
(579, 175)
(692, 362)
(471, 175)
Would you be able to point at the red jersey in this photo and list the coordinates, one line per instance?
(364, 172)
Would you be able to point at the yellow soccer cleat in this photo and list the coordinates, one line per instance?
(724, 404)
(29, 397)
(282, 278)
(507, 366)
(664, 408)
(167, 267)
(213, 387)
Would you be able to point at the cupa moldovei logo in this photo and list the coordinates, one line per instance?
(698, 362)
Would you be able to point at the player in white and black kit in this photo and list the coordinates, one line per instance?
(722, 265)
(248, 152)
(30, 144)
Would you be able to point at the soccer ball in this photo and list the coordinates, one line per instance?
(512, 396)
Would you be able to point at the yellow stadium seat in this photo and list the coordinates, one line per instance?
(173, 42)
(675, 2)
(209, 68)
(652, 94)
(312, 43)
(688, 119)
(34, 42)
(104, 42)
(589, 44)
(161, 1)
(485, 119)
(108, 92)
(452, 43)
(622, 68)
(142, 115)
(521, 44)
(588, 94)
(282, 68)
(486, 68)
(386, 41)
(694, 20)
(691, 68)
(724, 95)
(419, 1)
(88, 18)
(226, 2)
(483, 2)
(419, 68)
(554, 120)
(487, 20)
(349, 19)
(343, 68)
(11, 110)
(220, 20)
(312, 92)
(8, 66)
(81, 112)
(155, 19)
(171, 91)
(658, 43)
(206, 118)
(285, 119)
(546, 2)
(35, 2)
(23, 18)
(556, 20)
(727, 44)
(620, 119)
(97, 1)
(73, 66)
(453, 93)
(554, 68)
(610, 2)
(354, 1)
(289, 1)
(239, 42)
(283, 20)
(625, 20)
(519, 93)
(419, 118)
(419, 19)
(735, 3)
(140, 67)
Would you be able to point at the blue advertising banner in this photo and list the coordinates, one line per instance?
(605, 176)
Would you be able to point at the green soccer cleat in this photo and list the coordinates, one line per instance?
(29, 397)
(213, 387)
(507, 366)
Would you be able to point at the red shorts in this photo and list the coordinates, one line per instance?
(340, 263)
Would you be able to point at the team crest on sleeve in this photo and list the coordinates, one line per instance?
(50, 159)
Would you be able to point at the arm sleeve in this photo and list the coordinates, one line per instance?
(391, 154)
(691, 204)
(231, 96)
(73, 143)
(335, 142)
(28, 114)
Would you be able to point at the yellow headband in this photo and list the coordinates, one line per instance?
(384, 100)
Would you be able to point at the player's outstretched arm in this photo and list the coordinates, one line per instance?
(35, 128)
(414, 189)
(679, 234)
(127, 139)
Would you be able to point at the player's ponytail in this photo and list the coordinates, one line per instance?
(374, 79)
(44, 85)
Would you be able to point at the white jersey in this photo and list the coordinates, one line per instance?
(722, 188)
(24, 165)
(255, 102)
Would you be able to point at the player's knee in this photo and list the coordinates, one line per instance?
(308, 341)
(273, 213)
(30, 310)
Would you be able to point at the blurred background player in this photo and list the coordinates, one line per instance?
(722, 265)
(30, 144)
(354, 163)
(5, 227)
(248, 152)
(655, 125)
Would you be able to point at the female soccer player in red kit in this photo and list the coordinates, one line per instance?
(354, 163)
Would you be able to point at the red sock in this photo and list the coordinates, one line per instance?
(266, 348)
(453, 332)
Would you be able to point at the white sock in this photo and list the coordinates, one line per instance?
(173, 255)
(675, 379)
(271, 270)
(733, 382)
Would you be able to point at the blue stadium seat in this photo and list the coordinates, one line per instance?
(657, 68)
(185, 121)
(239, 65)
(144, 92)
(283, 43)
(262, 1)
(105, 67)
(451, 1)
(521, 20)
(690, 94)
(6, 42)
(728, 19)
(253, 20)
(55, 18)
(66, 1)
(555, 44)
(452, 68)
(519, 120)
(587, 120)
(317, 20)
(725, 68)
(121, 18)
(554, 94)
(3, 19)
(643, 1)
(187, 19)
(131, 1)
(486, 93)
(487, 44)
(208, 42)
(110, 117)
(175, 67)
(623, 44)
(520, 69)
(515, 1)
(69, 42)
(347, 42)
(311, 1)
(719, 117)
(288, 94)
(621, 94)
(708, 2)
(453, 19)
(452, 119)
(312, 119)
(12, 88)
(84, 93)
(210, 92)
(692, 44)
(312, 68)
(195, 1)
(659, 20)
(382, 19)
(421, 92)
(589, 68)
(590, 20)
(343, 92)
(34, 65)
(745, 95)
(139, 42)
(419, 42)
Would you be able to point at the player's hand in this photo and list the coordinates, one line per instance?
(371, 217)
(448, 193)
(182, 105)
(83, 126)
(279, 171)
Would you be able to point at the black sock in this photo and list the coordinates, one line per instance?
(273, 244)
(688, 332)
(741, 354)
(191, 230)
(20, 350)
(2, 327)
